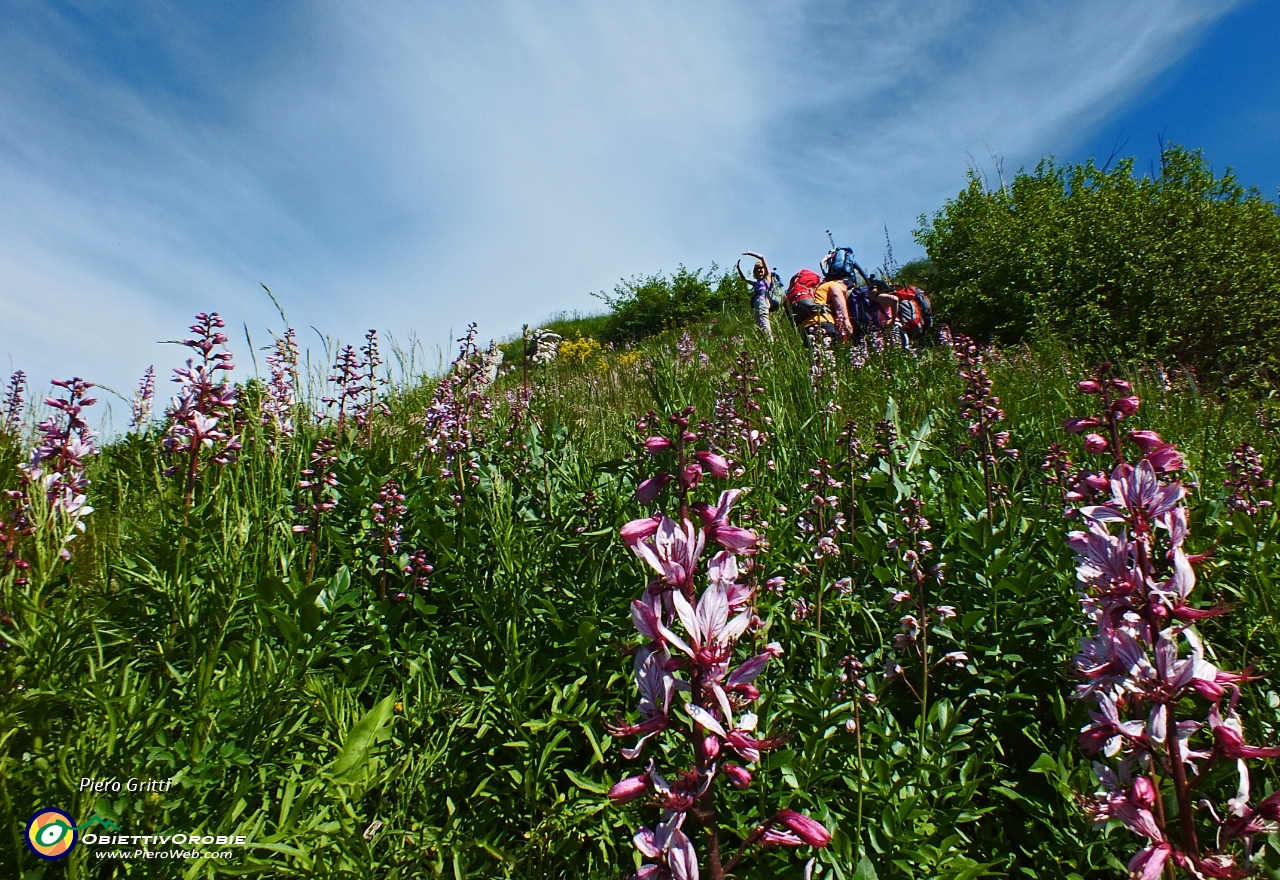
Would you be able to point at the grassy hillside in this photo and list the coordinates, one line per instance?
(416, 613)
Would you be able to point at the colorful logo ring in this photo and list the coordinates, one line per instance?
(51, 833)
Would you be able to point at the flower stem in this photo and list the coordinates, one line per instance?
(1186, 819)
(857, 721)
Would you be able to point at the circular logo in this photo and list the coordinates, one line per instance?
(51, 833)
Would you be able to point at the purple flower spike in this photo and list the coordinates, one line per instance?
(201, 416)
(689, 646)
(143, 399)
(459, 405)
(281, 400)
(14, 401)
(58, 462)
(1144, 663)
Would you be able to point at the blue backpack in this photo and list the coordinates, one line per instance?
(861, 311)
(842, 265)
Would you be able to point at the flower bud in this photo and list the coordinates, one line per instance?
(1121, 385)
(1088, 386)
(639, 529)
(1095, 443)
(809, 830)
(629, 789)
(1097, 481)
(1125, 406)
(657, 444)
(1146, 440)
(715, 464)
(711, 745)
(647, 491)
(1269, 809)
(739, 777)
(1080, 425)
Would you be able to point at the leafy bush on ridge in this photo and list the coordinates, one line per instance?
(1183, 266)
(646, 305)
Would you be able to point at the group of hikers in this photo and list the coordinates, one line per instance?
(842, 304)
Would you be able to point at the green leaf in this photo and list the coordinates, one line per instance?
(292, 634)
(360, 738)
(586, 783)
(1044, 764)
(866, 870)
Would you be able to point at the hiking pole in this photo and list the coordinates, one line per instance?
(524, 364)
(830, 239)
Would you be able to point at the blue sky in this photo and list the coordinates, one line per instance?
(1222, 96)
(413, 167)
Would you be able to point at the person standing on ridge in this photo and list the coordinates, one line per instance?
(766, 291)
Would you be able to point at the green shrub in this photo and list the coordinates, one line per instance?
(1182, 266)
(646, 305)
(918, 272)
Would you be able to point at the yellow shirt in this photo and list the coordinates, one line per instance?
(823, 296)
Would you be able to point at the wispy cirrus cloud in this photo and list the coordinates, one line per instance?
(422, 165)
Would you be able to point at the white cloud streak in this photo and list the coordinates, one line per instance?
(406, 165)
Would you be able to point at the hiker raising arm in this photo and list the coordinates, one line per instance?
(761, 286)
(761, 269)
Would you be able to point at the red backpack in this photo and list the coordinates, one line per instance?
(800, 295)
(910, 315)
(915, 311)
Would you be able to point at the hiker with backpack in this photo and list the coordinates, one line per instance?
(766, 291)
(904, 313)
(839, 265)
(818, 307)
(849, 282)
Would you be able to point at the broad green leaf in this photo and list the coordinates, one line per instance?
(866, 870)
(360, 739)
